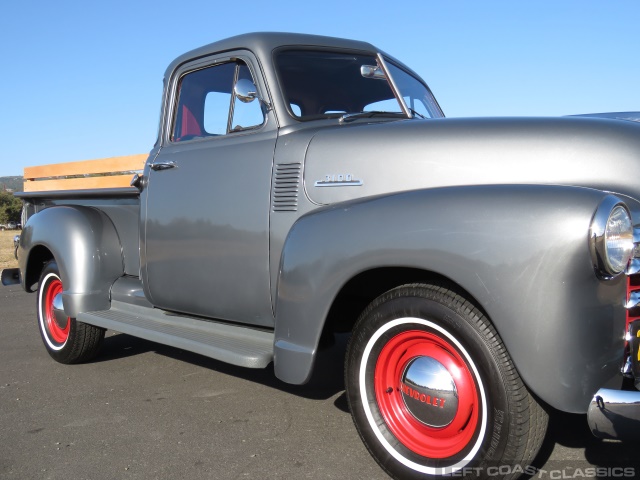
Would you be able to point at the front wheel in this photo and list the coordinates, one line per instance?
(66, 339)
(433, 392)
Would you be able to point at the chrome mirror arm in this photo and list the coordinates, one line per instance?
(396, 91)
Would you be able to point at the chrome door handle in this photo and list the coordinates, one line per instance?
(162, 165)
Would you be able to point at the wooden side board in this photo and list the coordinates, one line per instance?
(111, 172)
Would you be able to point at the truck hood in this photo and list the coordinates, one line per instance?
(355, 161)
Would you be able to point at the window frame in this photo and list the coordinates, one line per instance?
(172, 100)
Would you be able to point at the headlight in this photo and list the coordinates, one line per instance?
(611, 237)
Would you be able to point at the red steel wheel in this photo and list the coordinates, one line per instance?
(415, 411)
(58, 331)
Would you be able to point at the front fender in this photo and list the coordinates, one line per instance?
(86, 247)
(520, 251)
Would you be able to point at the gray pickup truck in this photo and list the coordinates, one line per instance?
(300, 186)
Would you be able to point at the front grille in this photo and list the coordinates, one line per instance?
(633, 282)
(632, 305)
(633, 289)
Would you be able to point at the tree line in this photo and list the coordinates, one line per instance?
(10, 208)
(14, 183)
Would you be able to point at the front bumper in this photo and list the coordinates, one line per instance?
(615, 414)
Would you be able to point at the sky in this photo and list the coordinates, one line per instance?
(83, 80)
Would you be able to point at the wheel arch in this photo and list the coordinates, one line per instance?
(363, 288)
(37, 258)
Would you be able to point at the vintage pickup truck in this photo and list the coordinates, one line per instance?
(487, 269)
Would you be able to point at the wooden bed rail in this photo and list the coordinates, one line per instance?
(111, 172)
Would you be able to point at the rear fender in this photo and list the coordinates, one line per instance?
(86, 247)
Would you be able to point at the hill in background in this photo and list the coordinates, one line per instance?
(11, 183)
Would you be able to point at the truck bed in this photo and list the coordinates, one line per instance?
(101, 184)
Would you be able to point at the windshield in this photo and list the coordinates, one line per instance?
(324, 84)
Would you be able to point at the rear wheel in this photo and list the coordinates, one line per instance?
(433, 391)
(66, 339)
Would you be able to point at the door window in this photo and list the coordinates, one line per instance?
(207, 106)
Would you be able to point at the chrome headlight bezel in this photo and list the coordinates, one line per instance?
(611, 238)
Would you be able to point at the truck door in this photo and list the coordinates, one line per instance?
(205, 235)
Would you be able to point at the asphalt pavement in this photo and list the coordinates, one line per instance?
(146, 411)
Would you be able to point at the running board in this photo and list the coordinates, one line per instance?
(232, 344)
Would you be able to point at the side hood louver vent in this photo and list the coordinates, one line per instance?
(286, 186)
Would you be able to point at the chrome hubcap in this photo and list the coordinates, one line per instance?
(59, 316)
(429, 392)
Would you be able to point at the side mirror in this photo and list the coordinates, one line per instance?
(245, 90)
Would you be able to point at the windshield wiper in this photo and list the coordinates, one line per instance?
(350, 117)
